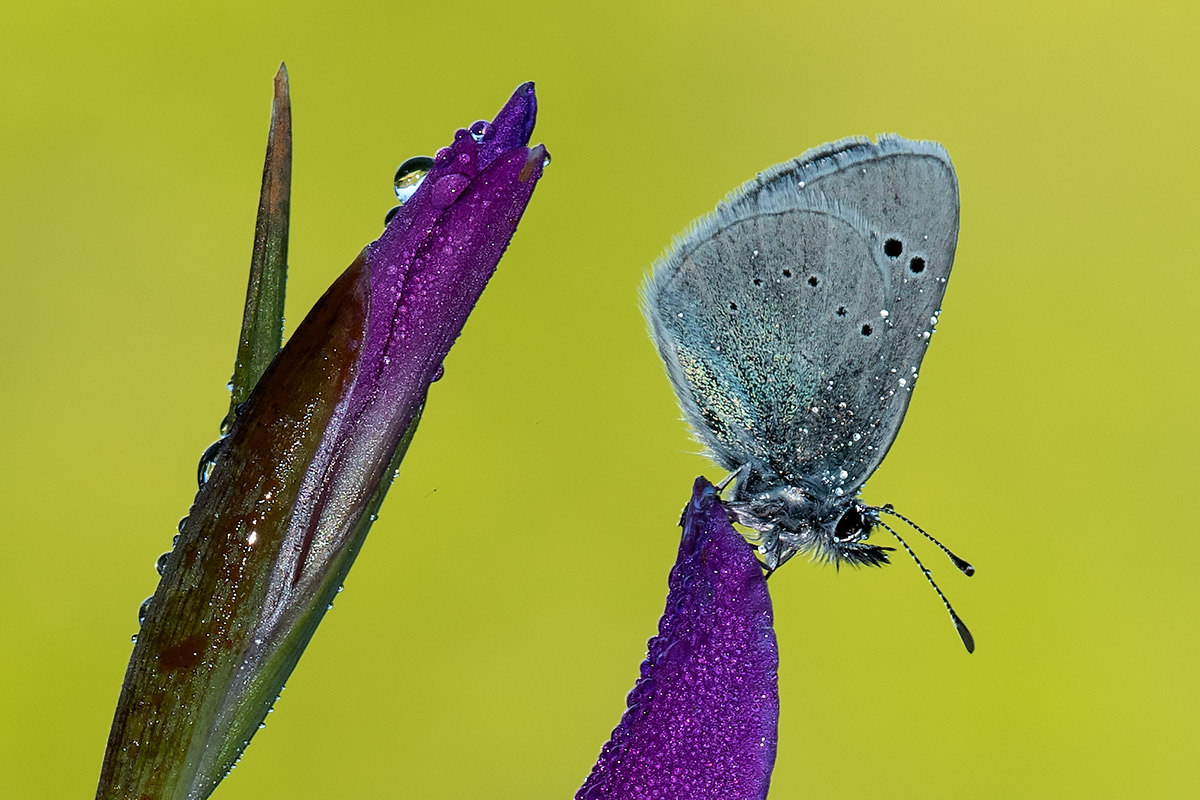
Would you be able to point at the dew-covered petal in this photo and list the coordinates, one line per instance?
(702, 718)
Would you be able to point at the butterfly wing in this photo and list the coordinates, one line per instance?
(793, 319)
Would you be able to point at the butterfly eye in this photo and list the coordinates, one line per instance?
(850, 527)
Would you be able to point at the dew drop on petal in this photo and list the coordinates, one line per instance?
(409, 176)
(480, 131)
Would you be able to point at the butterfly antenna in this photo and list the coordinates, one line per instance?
(967, 639)
(964, 566)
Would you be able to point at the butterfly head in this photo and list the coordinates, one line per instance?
(792, 519)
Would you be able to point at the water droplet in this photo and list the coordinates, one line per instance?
(133, 638)
(437, 376)
(229, 386)
(391, 213)
(480, 130)
(546, 160)
(903, 382)
(160, 566)
(207, 461)
(144, 609)
(409, 176)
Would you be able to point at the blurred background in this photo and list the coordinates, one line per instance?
(497, 615)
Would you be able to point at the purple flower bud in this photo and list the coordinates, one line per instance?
(299, 478)
(703, 716)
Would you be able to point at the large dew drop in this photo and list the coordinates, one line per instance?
(409, 176)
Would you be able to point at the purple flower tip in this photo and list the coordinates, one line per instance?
(702, 719)
(514, 123)
(432, 262)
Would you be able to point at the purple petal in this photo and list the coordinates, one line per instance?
(702, 719)
(422, 277)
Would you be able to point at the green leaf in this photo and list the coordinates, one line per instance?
(262, 319)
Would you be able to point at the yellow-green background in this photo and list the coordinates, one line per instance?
(497, 616)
